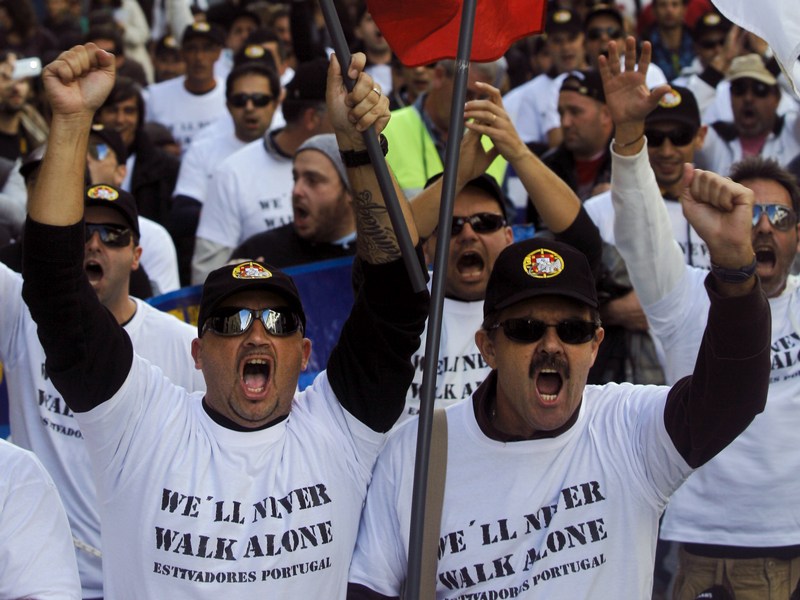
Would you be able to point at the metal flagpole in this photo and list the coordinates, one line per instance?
(428, 391)
(376, 156)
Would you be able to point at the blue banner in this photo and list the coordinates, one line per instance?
(326, 292)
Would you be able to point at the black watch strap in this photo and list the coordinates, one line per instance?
(359, 158)
(739, 275)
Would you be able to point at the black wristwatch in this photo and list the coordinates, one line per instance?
(359, 158)
(739, 275)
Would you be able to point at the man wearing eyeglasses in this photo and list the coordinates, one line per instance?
(757, 129)
(252, 489)
(239, 203)
(479, 232)
(553, 488)
(253, 94)
(40, 419)
(736, 516)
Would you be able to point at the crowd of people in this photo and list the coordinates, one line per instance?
(618, 361)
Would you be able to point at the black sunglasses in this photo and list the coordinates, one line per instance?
(780, 217)
(595, 33)
(116, 236)
(711, 43)
(259, 100)
(480, 223)
(680, 136)
(758, 88)
(234, 320)
(526, 331)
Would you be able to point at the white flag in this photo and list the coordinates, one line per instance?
(777, 22)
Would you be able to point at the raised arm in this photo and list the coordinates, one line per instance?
(352, 113)
(88, 353)
(370, 368)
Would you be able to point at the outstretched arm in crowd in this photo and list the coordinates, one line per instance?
(729, 382)
(370, 368)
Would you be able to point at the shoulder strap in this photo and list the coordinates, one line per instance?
(437, 475)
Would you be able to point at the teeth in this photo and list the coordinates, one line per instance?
(549, 397)
(256, 390)
(548, 371)
(256, 361)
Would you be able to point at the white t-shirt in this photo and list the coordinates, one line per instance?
(200, 160)
(461, 368)
(159, 257)
(527, 104)
(42, 422)
(251, 192)
(574, 516)
(695, 251)
(191, 509)
(184, 113)
(747, 494)
(37, 559)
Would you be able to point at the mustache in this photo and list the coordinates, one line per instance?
(549, 361)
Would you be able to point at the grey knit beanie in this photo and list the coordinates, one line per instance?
(326, 143)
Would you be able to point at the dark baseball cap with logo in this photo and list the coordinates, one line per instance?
(677, 105)
(309, 81)
(208, 31)
(563, 20)
(120, 200)
(489, 185)
(228, 280)
(539, 267)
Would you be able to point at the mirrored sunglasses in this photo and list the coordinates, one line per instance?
(527, 331)
(780, 217)
(98, 150)
(680, 136)
(116, 236)
(232, 320)
(480, 223)
(259, 100)
(595, 33)
(758, 88)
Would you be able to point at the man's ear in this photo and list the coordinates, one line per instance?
(486, 345)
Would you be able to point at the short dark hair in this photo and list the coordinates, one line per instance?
(126, 88)
(253, 68)
(107, 32)
(758, 167)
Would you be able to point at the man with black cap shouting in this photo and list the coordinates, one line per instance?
(553, 488)
(251, 489)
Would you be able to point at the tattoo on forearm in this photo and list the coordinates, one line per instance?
(376, 240)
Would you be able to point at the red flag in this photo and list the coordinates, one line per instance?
(424, 31)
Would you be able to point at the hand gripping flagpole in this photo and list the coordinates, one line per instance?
(376, 156)
(428, 391)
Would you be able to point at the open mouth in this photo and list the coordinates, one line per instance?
(93, 270)
(765, 256)
(548, 384)
(255, 375)
(470, 263)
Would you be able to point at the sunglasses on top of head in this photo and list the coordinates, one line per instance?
(259, 100)
(681, 136)
(527, 331)
(480, 223)
(780, 217)
(758, 88)
(234, 320)
(111, 234)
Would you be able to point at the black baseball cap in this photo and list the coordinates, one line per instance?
(123, 202)
(167, 44)
(208, 31)
(677, 105)
(604, 9)
(539, 267)
(586, 82)
(309, 81)
(563, 20)
(112, 139)
(228, 280)
(709, 23)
